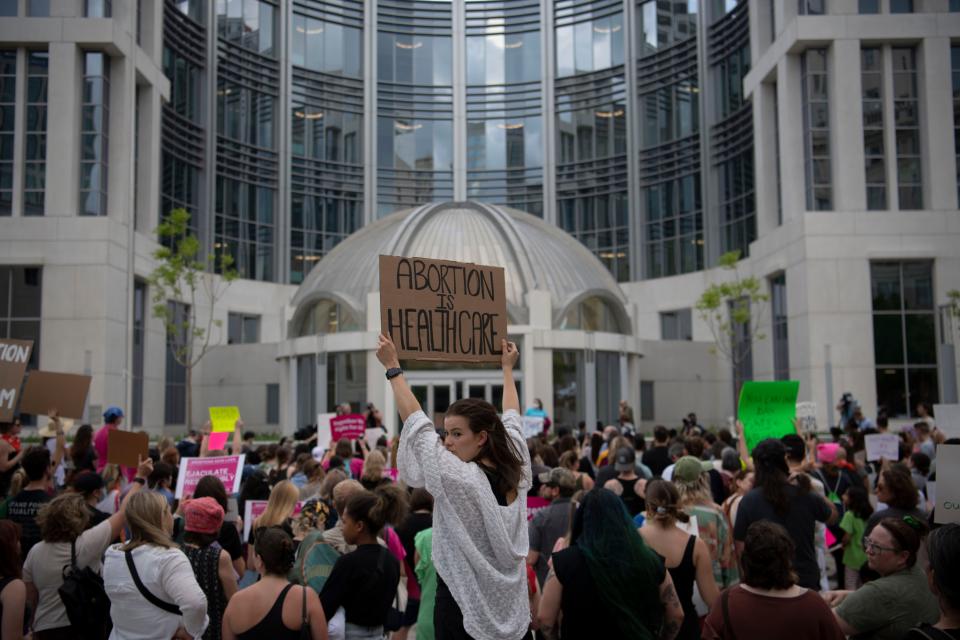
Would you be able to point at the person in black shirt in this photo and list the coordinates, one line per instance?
(657, 457)
(364, 582)
(229, 536)
(90, 485)
(420, 518)
(23, 507)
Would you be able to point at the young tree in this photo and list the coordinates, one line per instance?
(734, 308)
(184, 275)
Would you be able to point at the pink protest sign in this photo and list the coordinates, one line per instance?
(254, 508)
(534, 504)
(350, 426)
(217, 440)
(227, 468)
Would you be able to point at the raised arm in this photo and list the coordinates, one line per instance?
(237, 437)
(119, 519)
(387, 355)
(507, 361)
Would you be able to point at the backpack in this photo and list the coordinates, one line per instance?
(85, 600)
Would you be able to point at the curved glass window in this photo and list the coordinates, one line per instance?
(245, 115)
(592, 314)
(414, 59)
(326, 47)
(589, 46)
(244, 227)
(184, 79)
(586, 134)
(669, 113)
(503, 58)
(326, 134)
(663, 23)
(415, 144)
(674, 227)
(327, 316)
(504, 144)
(247, 23)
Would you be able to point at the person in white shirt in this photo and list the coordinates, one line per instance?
(163, 570)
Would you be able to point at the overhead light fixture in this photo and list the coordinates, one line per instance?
(402, 126)
(600, 29)
(307, 258)
(309, 116)
(406, 45)
(510, 125)
(610, 114)
(513, 45)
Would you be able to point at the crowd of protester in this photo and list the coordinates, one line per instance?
(470, 529)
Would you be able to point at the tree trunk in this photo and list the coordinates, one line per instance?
(189, 394)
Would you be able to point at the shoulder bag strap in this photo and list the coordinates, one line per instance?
(304, 621)
(727, 622)
(152, 599)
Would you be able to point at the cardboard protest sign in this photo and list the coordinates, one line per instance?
(767, 409)
(217, 440)
(224, 419)
(324, 437)
(532, 426)
(14, 356)
(252, 509)
(127, 448)
(46, 390)
(351, 426)
(947, 494)
(807, 415)
(227, 468)
(947, 419)
(443, 310)
(882, 445)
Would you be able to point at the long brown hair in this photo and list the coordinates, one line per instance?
(10, 550)
(499, 448)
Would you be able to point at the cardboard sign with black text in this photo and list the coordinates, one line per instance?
(443, 310)
(14, 356)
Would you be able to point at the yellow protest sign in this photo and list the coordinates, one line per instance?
(224, 419)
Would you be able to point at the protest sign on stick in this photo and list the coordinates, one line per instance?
(46, 390)
(324, 435)
(217, 440)
(947, 419)
(882, 445)
(807, 415)
(947, 495)
(224, 419)
(532, 426)
(252, 509)
(227, 468)
(127, 448)
(351, 426)
(14, 357)
(767, 409)
(443, 310)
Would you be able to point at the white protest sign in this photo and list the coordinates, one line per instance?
(882, 445)
(323, 430)
(947, 418)
(807, 415)
(371, 436)
(532, 426)
(947, 504)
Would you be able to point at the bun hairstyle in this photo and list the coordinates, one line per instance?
(275, 548)
(662, 499)
(908, 532)
(499, 448)
(386, 504)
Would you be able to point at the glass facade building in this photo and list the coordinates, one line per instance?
(290, 125)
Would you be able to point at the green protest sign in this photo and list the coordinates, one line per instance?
(767, 409)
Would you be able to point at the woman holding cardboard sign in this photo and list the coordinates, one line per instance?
(478, 475)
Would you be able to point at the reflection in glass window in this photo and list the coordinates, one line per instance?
(731, 71)
(248, 23)
(327, 316)
(8, 102)
(184, 79)
(670, 113)
(673, 228)
(955, 76)
(906, 110)
(245, 115)
(409, 145)
(326, 134)
(738, 220)
(588, 134)
(504, 144)
(904, 335)
(588, 46)
(592, 314)
(568, 387)
(663, 23)
(179, 188)
(244, 227)
(816, 130)
(875, 166)
(94, 133)
(600, 223)
(503, 58)
(318, 223)
(327, 47)
(35, 138)
(414, 59)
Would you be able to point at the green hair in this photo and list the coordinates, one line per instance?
(619, 562)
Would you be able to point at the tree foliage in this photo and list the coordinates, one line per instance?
(183, 274)
(732, 306)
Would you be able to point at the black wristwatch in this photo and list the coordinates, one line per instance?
(393, 372)
(140, 481)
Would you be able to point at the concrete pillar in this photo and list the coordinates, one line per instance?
(765, 157)
(147, 192)
(790, 109)
(122, 114)
(936, 120)
(63, 126)
(846, 126)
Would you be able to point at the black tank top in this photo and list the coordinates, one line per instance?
(634, 502)
(271, 626)
(684, 575)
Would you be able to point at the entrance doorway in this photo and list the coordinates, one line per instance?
(437, 390)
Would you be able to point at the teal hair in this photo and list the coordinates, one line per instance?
(620, 563)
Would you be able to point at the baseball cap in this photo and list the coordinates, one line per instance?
(112, 412)
(687, 470)
(559, 477)
(626, 459)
